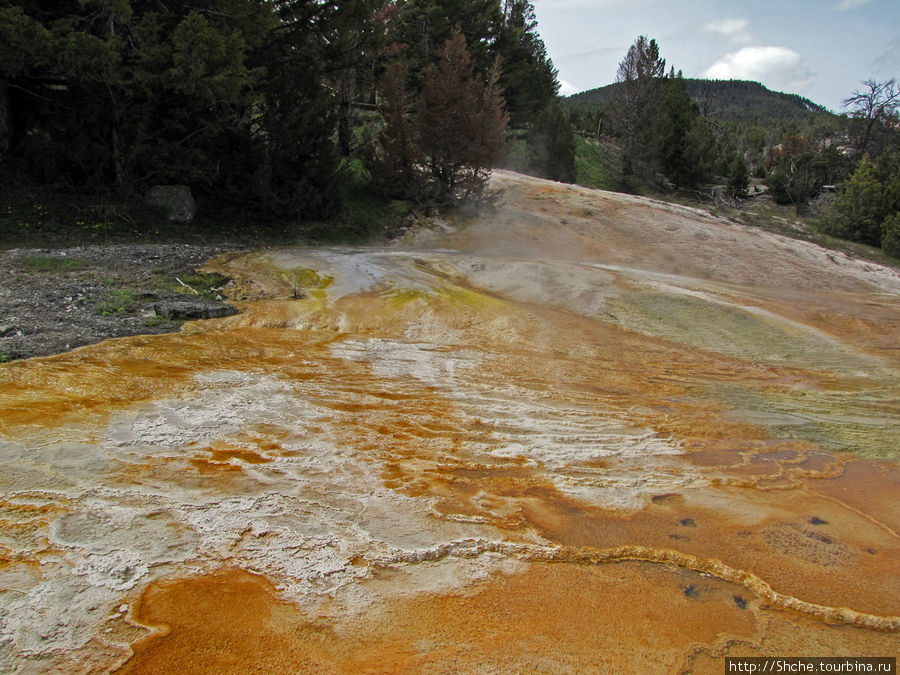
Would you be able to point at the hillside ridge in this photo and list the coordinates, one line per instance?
(738, 100)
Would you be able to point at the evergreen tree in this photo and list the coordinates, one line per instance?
(228, 96)
(58, 71)
(887, 169)
(798, 169)
(551, 145)
(859, 211)
(299, 172)
(354, 47)
(739, 177)
(528, 77)
(183, 106)
(676, 114)
(702, 149)
(393, 160)
(424, 26)
(462, 124)
(640, 73)
(890, 235)
(442, 149)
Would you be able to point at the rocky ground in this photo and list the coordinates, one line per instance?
(54, 300)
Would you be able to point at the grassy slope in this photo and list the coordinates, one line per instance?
(596, 163)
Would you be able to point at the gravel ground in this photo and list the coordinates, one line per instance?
(54, 300)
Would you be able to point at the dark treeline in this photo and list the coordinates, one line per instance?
(273, 107)
(736, 100)
(266, 103)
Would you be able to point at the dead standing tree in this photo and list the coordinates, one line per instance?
(873, 108)
(462, 124)
(444, 149)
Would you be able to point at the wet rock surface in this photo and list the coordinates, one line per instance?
(509, 444)
(187, 309)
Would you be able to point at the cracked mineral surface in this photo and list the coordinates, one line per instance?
(579, 431)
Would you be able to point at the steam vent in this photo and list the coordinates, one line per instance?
(576, 432)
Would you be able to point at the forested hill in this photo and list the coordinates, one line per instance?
(733, 100)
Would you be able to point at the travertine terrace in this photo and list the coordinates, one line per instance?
(577, 432)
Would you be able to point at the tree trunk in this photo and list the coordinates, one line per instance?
(344, 131)
(348, 95)
(5, 119)
(117, 157)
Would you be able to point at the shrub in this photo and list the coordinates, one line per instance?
(859, 211)
(890, 238)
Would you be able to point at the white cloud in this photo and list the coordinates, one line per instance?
(844, 5)
(566, 89)
(736, 30)
(776, 67)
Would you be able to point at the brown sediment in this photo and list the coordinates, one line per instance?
(866, 488)
(224, 452)
(549, 617)
(207, 467)
(783, 633)
(785, 552)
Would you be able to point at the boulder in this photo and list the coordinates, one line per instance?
(175, 202)
(187, 309)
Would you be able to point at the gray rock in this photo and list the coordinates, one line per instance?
(175, 201)
(186, 309)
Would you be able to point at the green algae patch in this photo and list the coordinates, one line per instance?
(398, 297)
(861, 423)
(460, 296)
(306, 282)
(733, 331)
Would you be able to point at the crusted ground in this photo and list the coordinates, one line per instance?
(578, 431)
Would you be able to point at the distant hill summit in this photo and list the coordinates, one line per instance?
(734, 100)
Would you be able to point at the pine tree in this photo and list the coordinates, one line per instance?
(393, 160)
(890, 235)
(299, 173)
(551, 145)
(228, 96)
(462, 124)
(640, 73)
(444, 149)
(424, 26)
(676, 114)
(528, 77)
(859, 211)
(739, 177)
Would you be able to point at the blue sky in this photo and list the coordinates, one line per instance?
(821, 50)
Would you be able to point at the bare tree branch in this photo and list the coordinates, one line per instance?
(876, 104)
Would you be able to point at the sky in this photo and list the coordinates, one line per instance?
(821, 50)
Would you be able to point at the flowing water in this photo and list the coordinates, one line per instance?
(579, 431)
